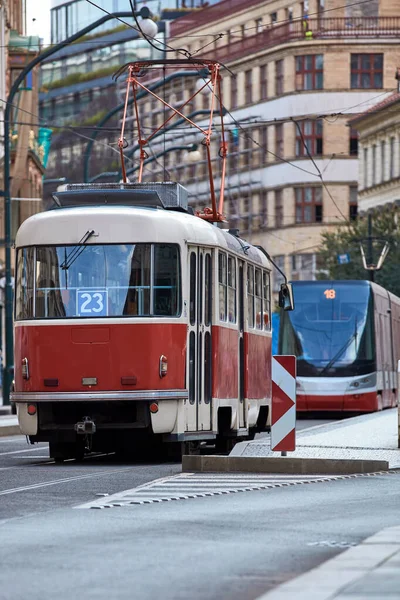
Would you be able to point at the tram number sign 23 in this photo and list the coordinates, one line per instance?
(92, 303)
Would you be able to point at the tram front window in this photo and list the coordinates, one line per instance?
(331, 329)
(98, 281)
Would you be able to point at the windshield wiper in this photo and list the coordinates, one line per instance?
(340, 352)
(77, 251)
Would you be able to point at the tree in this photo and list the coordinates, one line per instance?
(346, 240)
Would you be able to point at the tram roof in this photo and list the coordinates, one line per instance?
(126, 224)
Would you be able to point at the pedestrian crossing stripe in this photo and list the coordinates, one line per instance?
(187, 486)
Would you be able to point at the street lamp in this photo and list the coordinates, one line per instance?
(194, 154)
(147, 26)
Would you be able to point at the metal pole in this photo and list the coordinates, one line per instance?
(370, 249)
(8, 372)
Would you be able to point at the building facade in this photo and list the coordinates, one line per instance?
(379, 154)
(295, 73)
(77, 85)
(29, 141)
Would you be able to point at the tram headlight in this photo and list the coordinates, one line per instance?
(360, 383)
(25, 368)
(163, 366)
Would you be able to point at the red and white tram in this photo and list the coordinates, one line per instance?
(136, 321)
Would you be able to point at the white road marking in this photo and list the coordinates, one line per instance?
(190, 485)
(58, 481)
(21, 451)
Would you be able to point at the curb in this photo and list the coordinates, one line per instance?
(7, 430)
(293, 466)
(340, 576)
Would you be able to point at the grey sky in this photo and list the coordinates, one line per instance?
(39, 10)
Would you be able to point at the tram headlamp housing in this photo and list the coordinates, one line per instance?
(163, 366)
(361, 383)
(25, 368)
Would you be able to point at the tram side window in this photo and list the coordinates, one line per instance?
(250, 296)
(222, 285)
(258, 300)
(166, 279)
(24, 284)
(231, 290)
(193, 279)
(266, 302)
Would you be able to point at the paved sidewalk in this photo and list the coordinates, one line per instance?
(369, 571)
(9, 425)
(368, 437)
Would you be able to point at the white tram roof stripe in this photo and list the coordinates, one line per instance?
(122, 224)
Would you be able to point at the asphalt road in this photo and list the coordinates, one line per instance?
(234, 546)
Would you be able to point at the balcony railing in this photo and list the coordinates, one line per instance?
(211, 14)
(312, 29)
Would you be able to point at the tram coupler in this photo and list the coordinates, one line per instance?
(85, 427)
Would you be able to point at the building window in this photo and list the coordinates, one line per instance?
(279, 77)
(308, 204)
(310, 139)
(353, 203)
(243, 30)
(391, 157)
(263, 209)
(366, 71)
(304, 8)
(247, 149)
(278, 277)
(248, 81)
(263, 82)
(279, 140)
(374, 164)
(264, 144)
(278, 208)
(274, 18)
(234, 92)
(259, 25)
(383, 160)
(365, 165)
(289, 14)
(303, 267)
(309, 72)
(353, 146)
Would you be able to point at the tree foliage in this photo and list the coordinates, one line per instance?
(346, 240)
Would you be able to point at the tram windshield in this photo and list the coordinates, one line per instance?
(331, 329)
(110, 280)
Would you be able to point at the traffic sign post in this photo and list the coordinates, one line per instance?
(283, 415)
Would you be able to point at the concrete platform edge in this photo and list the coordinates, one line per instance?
(7, 430)
(336, 578)
(287, 465)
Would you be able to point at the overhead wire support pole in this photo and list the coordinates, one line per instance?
(9, 341)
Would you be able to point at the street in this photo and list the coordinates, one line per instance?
(234, 546)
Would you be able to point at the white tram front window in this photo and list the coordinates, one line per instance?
(98, 281)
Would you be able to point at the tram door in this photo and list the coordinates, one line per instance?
(199, 358)
(241, 342)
